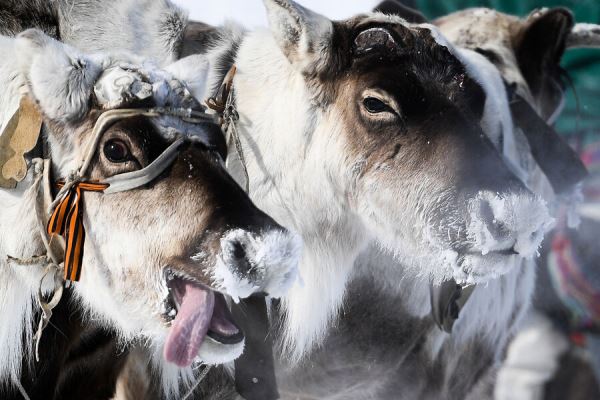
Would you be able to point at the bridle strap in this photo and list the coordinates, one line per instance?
(218, 102)
(104, 121)
(255, 369)
(135, 179)
(223, 104)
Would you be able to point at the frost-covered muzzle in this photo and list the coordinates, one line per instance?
(479, 237)
(501, 229)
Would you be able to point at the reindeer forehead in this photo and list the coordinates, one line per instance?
(125, 86)
(393, 41)
(388, 35)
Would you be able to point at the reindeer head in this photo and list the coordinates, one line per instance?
(160, 258)
(396, 132)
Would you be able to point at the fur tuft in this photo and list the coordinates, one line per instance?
(59, 78)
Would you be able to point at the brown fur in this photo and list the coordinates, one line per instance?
(527, 51)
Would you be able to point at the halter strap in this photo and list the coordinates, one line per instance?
(223, 104)
(135, 179)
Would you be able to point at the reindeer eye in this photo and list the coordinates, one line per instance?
(116, 151)
(375, 106)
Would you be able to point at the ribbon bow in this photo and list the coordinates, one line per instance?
(67, 221)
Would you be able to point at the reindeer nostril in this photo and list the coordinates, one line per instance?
(495, 226)
(238, 251)
(486, 213)
(240, 255)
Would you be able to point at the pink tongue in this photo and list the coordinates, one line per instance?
(190, 326)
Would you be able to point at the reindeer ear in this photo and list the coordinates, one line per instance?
(59, 78)
(540, 44)
(303, 35)
(396, 7)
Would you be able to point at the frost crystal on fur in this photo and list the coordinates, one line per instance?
(525, 217)
(270, 257)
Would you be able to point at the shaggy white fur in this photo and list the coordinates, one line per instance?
(133, 25)
(292, 193)
(333, 237)
(63, 95)
(18, 284)
(294, 154)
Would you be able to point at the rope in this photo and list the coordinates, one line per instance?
(230, 119)
(27, 262)
(47, 307)
(40, 169)
(203, 374)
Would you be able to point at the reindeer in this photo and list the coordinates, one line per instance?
(527, 53)
(158, 235)
(524, 55)
(364, 135)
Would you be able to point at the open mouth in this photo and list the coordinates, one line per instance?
(195, 313)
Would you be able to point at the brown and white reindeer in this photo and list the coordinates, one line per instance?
(364, 135)
(169, 235)
(524, 55)
(527, 52)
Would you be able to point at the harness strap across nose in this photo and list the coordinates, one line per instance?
(67, 221)
(135, 179)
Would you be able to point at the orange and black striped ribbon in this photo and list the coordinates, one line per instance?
(67, 221)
